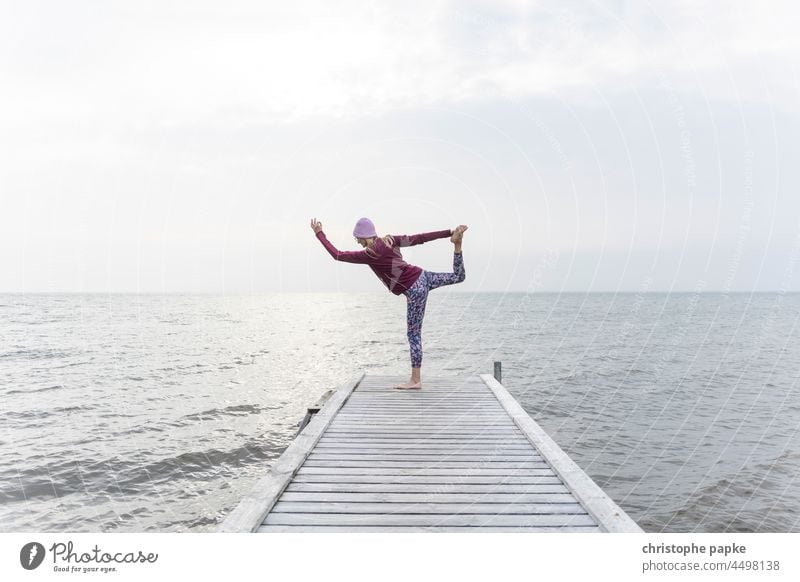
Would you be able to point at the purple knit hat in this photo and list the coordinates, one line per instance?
(364, 228)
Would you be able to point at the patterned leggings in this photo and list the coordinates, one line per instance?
(417, 296)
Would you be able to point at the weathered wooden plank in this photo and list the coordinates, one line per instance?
(412, 397)
(383, 392)
(431, 508)
(423, 488)
(558, 520)
(250, 512)
(433, 414)
(439, 431)
(386, 384)
(410, 439)
(415, 398)
(487, 401)
(416, 427)
(416, 444)
(407, 427)
(541, 469)
(402, 433)
(348, 474)
(444, 404)
(420, 423)
(421, 418)
(413, 434)
(405, 440)
(428, 463)
(424, 446)
(431, 480)
(429, 412)
(417, 423)
(489, 478)
(430, 387)
(424, 410)
(430, 390)
(420, 447)
(435, 408)
(500, 497)
(420, 437)
(446, 468)
(456, 453)
(405, 454)
(411, 427)
(423, 436)
(435, 529)
(444, 400)
(423, 459)
(441, 408)
(599, 505)
(426, 413)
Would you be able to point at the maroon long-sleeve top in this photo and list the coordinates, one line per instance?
(387, 261)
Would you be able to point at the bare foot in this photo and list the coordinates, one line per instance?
(409, 386)
(458, 233)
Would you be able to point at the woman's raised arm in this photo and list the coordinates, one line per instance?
(408, 240)
(345, 256)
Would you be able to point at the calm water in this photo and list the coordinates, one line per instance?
(157, 413)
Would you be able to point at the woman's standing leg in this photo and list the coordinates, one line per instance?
(417, 296)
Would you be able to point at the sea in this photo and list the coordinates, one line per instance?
(158, 413)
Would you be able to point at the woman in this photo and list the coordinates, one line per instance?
(383, 256)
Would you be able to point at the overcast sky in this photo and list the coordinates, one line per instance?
(590, 146)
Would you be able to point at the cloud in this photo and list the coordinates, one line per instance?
(284, 63)
(151, 143)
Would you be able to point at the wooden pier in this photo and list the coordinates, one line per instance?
(459, 455)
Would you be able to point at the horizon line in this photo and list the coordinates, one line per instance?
(454, 292)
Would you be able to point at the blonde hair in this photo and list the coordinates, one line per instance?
(388, 240)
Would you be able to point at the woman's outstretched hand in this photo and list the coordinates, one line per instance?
(316, 225)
